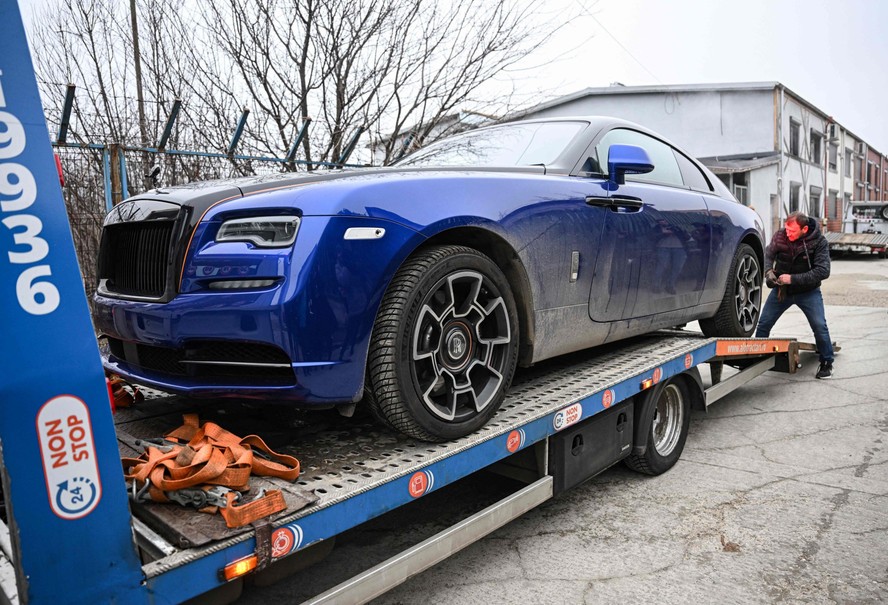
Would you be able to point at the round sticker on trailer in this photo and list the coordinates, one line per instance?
(420, 483)
(658, 374)
(607, 398)
(69, 457)
(689, 361)
(285, 540)
(515, 441)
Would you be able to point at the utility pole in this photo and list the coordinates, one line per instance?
(137, 60)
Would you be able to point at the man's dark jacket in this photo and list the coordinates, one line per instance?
(806, 259)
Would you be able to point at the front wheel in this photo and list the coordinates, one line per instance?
(741, 306)
(445, 344)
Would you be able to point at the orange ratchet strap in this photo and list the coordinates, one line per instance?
(123, 394)
(207, 458)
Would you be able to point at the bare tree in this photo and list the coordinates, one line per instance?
(391, 66)
(384, 64)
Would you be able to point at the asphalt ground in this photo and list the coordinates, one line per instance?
(780, 496)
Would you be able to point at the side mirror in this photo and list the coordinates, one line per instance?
(627, 159)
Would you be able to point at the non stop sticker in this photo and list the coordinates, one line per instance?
(69, 457)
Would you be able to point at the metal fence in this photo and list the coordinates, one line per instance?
(98, 176)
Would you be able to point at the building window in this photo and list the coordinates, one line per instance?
(794, 189)
(794, 131)
(814, 202)
(741, 187)
(816, 145)
(849, 161)
(833, 157)
(832, 209)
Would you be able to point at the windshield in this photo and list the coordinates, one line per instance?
(508, 145)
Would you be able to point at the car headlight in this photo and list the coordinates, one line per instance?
(264, 231)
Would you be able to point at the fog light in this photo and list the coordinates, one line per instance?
(240, 284)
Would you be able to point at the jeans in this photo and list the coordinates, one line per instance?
(811, 304)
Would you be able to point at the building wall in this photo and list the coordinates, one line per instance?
(703, 123)
(873, 176)
(841, 183)
(763, 185)
(804, 182)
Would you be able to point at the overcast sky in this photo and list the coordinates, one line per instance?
(834, 53)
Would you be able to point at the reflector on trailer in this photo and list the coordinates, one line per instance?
(240, 567)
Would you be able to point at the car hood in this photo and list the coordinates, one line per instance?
(200, 196)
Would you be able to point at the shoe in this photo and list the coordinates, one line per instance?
(825, 370)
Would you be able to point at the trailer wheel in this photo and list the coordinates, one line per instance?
(445, 344)
(667, 421)
(741, 306)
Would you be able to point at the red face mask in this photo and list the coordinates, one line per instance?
(794, 232)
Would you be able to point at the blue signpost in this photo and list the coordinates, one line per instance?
(67, 506)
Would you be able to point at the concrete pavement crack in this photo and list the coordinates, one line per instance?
(872, 451)
(875, 530)
(812, 547)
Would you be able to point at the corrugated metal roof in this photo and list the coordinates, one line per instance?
(651, 89)
(746, 162)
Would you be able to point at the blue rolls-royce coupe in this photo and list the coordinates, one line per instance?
(418, 288)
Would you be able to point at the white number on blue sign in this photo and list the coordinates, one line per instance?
(18, 191)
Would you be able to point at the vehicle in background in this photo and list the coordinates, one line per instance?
(864, 229)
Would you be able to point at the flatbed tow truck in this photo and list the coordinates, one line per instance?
(864, 230)
(70, 531)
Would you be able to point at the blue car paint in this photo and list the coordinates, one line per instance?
(322, 306)
(308, 317)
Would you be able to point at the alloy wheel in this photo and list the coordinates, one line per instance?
(460, 344)
(748, 297)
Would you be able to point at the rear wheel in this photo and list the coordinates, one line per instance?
(444, 346)
(884, 212)
(742, 303)
(667, 430)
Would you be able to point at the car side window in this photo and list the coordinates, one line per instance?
(666, 170)
(693, 176)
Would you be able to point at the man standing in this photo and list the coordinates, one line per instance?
(797, 261)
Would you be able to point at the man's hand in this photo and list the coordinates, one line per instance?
(784, 279)
(771, 278)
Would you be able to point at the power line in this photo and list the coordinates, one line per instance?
(614, 38)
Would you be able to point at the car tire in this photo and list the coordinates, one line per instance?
(884, 212)
(445, 344)
(667, 430)
(741, 306)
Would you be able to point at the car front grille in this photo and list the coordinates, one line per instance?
(209, 361)
(134, 258)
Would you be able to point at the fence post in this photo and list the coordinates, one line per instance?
(115, 177)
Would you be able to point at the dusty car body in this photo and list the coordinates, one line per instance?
(418, 288)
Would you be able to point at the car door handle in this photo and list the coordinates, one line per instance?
(626, 203)
(617, 203)
(598, 200)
